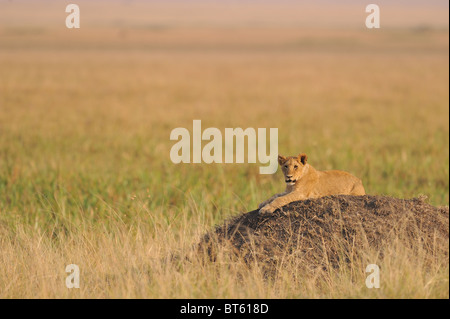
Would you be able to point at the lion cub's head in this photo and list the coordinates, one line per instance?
(292, 167)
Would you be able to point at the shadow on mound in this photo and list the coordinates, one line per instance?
(327, 231)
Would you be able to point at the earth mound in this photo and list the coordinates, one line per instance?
(325, 232)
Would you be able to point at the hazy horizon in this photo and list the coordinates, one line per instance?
(209, 13)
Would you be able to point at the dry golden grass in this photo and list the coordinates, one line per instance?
(85, 173)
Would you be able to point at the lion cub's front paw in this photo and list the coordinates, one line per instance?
(267, 209)
(262, 204)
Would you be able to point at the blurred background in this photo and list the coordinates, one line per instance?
(87, 113)
(208, 13)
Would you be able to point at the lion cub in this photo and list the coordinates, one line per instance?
(303, 181)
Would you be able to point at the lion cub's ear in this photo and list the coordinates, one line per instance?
(281, 159)
(302, 158)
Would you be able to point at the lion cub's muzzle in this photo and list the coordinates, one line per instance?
(290, 180)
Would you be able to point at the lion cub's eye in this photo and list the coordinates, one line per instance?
(295, 166)
(285, 166)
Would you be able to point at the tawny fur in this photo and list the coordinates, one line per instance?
(303, 181)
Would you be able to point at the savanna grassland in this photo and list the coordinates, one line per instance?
(85, 172)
